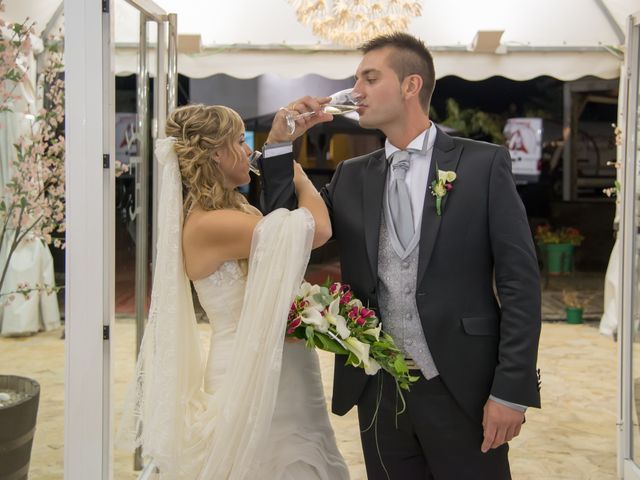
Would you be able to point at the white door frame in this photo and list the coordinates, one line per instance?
(628, 466)
(90, 229)
(90, 219)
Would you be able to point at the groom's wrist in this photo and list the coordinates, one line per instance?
(514, 406)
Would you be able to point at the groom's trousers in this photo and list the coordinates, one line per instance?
(434, 438)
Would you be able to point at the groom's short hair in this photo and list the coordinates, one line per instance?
(413, 58)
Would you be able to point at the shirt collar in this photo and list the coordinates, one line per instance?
(422, 143)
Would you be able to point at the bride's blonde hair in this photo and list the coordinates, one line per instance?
(199, 130)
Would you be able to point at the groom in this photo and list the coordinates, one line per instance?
(433, 236)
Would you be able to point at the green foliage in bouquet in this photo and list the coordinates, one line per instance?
(330, 318)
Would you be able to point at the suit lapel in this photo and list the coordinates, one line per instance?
(446, 156)
(375, 177)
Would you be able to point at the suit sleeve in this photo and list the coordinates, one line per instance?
(278, 190)
(518, 286)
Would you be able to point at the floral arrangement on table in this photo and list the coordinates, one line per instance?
(32, 205)
(546, 235)
(330, 318)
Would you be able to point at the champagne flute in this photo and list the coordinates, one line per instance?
(253, 162)
(341, 102)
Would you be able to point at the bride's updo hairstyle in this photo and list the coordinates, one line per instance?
(199, 130)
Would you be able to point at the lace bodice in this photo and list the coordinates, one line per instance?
(222, 292)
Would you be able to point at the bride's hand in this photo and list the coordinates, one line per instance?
(300, 178)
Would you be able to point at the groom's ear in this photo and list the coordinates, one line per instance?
(411, 85)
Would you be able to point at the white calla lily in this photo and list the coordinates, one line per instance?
(334, 307)
(338, 320)
(311, 316)
(305, 288)
(341, 327)
(359, 349)
(372, 368)
(374, 332)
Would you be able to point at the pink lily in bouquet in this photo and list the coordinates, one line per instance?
(332, 319)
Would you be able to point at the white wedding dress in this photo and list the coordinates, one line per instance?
(300, 443)
(257, 411)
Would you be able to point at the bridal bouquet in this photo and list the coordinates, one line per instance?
(331, 318)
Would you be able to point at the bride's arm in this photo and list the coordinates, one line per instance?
(213, 237)
(309, 198)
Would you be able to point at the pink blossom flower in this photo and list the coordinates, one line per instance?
(293, 325)
(346, 297)
(367, 313)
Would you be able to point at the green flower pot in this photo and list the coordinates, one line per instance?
(574, 315)
(559, 257)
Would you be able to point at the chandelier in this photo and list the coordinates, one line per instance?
(353, 22)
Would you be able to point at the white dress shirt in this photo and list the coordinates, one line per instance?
(418, 173)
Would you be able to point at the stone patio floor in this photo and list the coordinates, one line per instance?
(572, 437)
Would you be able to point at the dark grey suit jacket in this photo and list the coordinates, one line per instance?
(481, 343)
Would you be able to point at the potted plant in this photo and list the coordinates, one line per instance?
(573, 306)
(556, 246)
(19, 398)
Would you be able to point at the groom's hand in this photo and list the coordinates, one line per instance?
(279, 131)
(500, 424)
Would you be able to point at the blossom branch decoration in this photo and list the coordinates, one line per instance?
(33, 201)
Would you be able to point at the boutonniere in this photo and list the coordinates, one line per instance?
(441, 186)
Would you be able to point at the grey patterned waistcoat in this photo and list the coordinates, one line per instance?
(397, 291)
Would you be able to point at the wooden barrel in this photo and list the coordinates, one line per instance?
(17, 426)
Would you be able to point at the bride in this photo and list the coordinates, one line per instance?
(256, 409)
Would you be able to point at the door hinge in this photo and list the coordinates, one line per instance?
(105, 332)
(105, 6)
(105, 160)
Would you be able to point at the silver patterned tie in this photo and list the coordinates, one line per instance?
(399, 198)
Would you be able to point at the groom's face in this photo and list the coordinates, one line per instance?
(380, 89)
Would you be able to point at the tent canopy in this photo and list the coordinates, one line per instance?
(244, 38)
